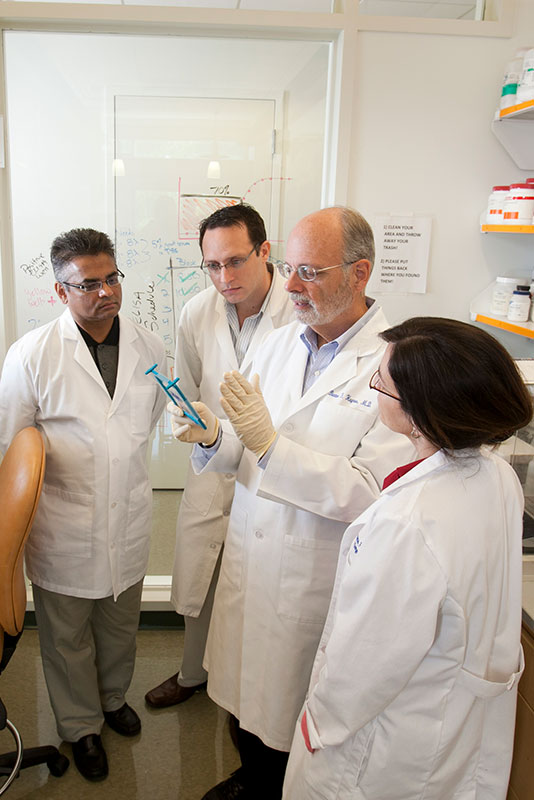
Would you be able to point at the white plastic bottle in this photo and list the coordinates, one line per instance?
(519, 204)
(502, 294)
(519, 306)
(512, 76)
(494, 214)
(525, 86)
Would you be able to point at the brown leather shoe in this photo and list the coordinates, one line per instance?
(170, 693)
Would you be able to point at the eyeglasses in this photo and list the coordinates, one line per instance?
(373, 384)
(95, 286)
(305, 272)
(234, 263)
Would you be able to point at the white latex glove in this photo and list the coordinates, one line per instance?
(245, 407)
(186, 430)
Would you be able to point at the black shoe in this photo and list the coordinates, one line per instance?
(170, 693)
(230, 789)
(90, 757)
(124, 720)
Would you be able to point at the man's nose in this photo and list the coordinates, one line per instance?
(105, 289)
(294, 283)
(227, 273)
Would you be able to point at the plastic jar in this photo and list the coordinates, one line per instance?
(502, 294)
(512, 75)
(525, 86)
(519, 306)
(519, 205)
(494, 214)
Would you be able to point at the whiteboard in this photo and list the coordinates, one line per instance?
(166, 150)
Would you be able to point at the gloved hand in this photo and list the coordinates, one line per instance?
(245, 407)
(186, 430)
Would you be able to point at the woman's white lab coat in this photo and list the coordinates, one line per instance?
(413, 689)
(287, 522)
(91, 533)
(204, 352)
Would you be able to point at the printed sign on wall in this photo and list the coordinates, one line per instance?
(402, 247)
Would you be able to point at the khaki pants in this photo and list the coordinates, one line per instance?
(88, 654)
(192, 673)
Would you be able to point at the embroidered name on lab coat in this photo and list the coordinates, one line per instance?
(346, 398)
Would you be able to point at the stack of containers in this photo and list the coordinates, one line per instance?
(518, 83)
(511, 204)
(525, 86)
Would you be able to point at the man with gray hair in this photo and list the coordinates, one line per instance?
(309, 454)
(81, 381)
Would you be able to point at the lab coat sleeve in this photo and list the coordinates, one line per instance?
(384, 623)
(333, 486)
(224, 456)
(18, 397)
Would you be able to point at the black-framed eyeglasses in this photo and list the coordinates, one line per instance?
(305, 272)
(233, 263)
(94, 286)
(373, 384)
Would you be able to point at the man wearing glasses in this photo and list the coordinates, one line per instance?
(310, 455)
(219, 330)
(81, 381)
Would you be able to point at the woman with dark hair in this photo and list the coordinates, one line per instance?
(413, 690)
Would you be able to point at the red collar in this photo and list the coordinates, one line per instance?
(399, 472)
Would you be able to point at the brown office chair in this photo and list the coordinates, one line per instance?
(21, 478)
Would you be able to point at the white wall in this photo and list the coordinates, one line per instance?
(423, 143)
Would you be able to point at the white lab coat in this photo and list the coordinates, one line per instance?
(413, 688)
(287, 522)
(91, 533)
(204, 352)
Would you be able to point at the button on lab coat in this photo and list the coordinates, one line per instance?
(204, 352)
(413, 689)
(287, 522)
(90, 537)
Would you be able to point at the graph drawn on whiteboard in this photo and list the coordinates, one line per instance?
(196, 207)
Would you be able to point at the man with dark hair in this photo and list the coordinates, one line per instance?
(219, 329)
(309, 453)
(81, 381)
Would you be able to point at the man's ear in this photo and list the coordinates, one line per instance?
(361, 271)
(61, 293)
(265, 249)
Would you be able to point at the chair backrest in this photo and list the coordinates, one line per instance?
(21, 479)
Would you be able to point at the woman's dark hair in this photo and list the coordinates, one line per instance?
(457, 383)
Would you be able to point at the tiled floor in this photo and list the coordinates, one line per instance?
(180, 753)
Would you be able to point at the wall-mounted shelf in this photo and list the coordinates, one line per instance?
(479, 312)
(524, 110)
(514, 128)
(507, 228)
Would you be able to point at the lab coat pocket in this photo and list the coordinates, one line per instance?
(200, 493)
(142, 399)
(63, 523)
(233, 554)
(307, 574)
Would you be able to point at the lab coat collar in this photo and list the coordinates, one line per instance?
(437, 461)
(82, 355)
(222, 329)
(343, 367)
(128, 360)
(274, 307)
(128, 355)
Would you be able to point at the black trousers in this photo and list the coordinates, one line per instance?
(263, 768)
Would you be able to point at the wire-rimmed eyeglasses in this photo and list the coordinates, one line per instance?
(373, 384)
(233, 263)
(94, 286)
(305, 272)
